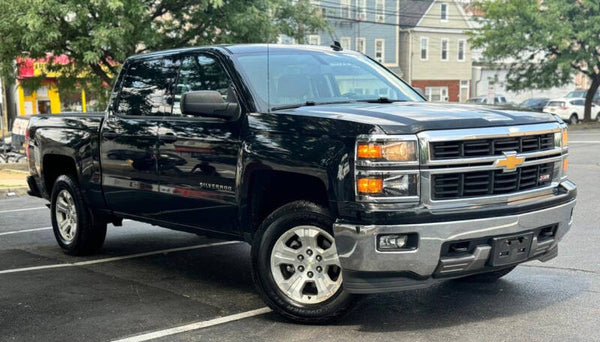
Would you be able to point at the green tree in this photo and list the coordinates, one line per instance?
(547, 41)
(98, 35)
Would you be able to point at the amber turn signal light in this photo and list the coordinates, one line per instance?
(369, 151)
(370, 185)
(565, 165)
(565, 137)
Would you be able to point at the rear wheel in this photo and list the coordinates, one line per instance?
(574, 120)
(74, 227)
(296, 266)
(488, 277)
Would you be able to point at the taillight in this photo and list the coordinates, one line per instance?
(563, 105)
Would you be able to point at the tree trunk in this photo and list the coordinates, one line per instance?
(590, 115)
(97, 69)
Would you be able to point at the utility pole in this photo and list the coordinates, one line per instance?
(3, 112)
(3, 109)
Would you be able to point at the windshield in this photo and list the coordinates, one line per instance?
(577, 93)
(287, 78)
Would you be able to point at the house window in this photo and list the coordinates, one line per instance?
(345, 9)
(436, 94)
(424, 48)
(380, 11)
(461, 50)
(346, 43)
(444, 49)
(317, 5)
(314, 39)
(444, 12)
(361, 9)
(360, 45)
(379, 50)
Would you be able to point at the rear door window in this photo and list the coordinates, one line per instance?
(578, 102)
(146, 89)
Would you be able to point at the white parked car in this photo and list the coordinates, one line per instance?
(571, 109)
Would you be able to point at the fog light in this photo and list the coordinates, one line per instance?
(387, 242)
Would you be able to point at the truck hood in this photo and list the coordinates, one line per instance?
(414, 117)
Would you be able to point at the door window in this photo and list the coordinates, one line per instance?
(578, 102)
(202, 73)
(146, 88)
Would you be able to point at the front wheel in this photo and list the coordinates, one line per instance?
(296, 267)
(74, 227)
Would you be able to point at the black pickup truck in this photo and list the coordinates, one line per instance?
(341, 177)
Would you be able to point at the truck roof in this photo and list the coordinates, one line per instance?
(231, 49)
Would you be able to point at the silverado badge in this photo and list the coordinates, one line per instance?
(509, 162)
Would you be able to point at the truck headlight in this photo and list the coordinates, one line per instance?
(561, 140)
(392, 151)
(387, 168)
(393, 185)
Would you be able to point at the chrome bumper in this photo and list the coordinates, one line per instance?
(367, 270)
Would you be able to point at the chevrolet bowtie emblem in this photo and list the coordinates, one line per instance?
(510, 161)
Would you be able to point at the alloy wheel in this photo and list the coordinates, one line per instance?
(66, 216)
(305, 265)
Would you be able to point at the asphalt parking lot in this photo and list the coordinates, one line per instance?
(182, 287)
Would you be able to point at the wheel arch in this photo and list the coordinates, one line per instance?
(55, 165)
(269, 189)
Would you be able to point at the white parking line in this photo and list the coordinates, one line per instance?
(584, 142)
(25, 231)
(124, 257)
(195, 326)
(24, 209)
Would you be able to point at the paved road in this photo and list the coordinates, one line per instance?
(203, 280)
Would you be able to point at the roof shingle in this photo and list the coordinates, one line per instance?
(411, 11)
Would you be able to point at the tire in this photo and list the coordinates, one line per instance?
(573, 119)
(74, 227)
(306, 303)
(598, 117)
(488, 277)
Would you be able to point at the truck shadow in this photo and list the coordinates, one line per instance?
(454, 303)
(220, 276)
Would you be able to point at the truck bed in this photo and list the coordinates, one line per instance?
(58, 139)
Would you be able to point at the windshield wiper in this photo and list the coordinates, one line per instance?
(307, 103)
(380, 100)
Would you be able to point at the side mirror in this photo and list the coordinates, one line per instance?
(208, 103)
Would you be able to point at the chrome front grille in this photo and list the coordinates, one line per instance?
(493, 182)
(491, 147)
(487, 166)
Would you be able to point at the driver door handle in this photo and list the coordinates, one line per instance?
(110, 135)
